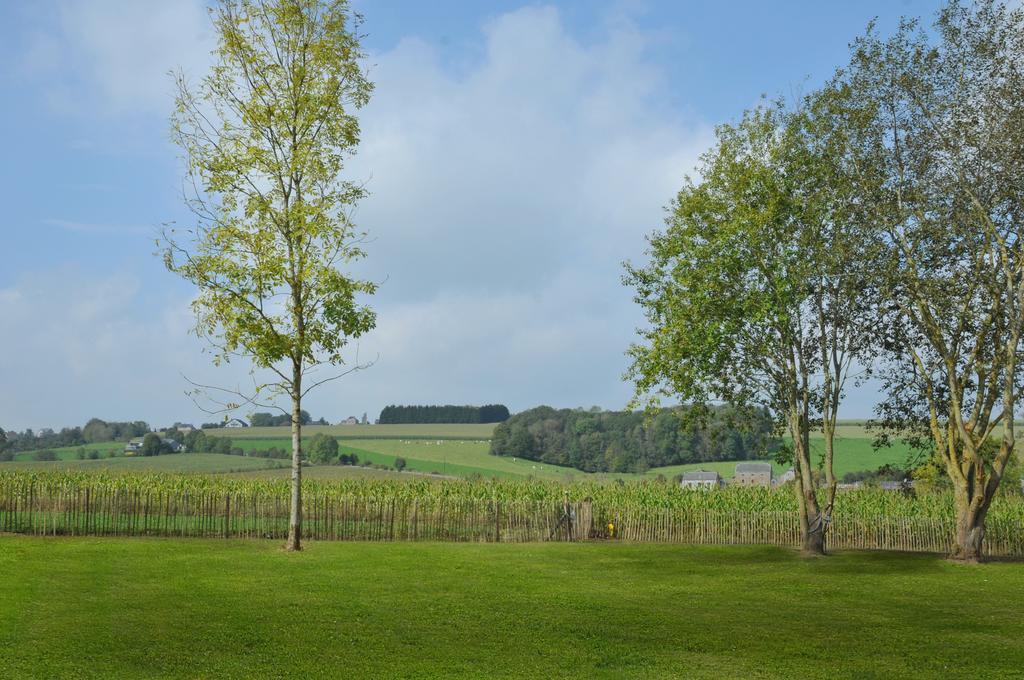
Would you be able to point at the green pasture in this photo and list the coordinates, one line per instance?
(169, 608)
(71, 452)
(208, 463)
(445, 455)
(332, 473)
(435, 431)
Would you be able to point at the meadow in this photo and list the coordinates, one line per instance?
(185, 463)
(446, 450)
(172, 608)
(424, 431)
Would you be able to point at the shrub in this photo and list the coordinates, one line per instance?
(6, 456)
(44, 454)
(80, 453)
(152, 445)
(323, 448)
(399, 463)
(94, 455)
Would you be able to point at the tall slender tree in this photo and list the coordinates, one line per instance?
(941, 167)
(265, 136)
(746, 293)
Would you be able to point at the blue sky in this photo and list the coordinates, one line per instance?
(515, 153)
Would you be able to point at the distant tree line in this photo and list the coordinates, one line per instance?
(95, 430)
(271, 420)
(399, 415)
(623, 441)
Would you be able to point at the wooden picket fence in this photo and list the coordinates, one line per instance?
(88, 511)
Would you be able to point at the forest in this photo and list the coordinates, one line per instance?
(396, 415)
(624, 441)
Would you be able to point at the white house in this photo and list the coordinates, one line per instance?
(351, 420)
(701, 479)
(236, 422)
(787, 476)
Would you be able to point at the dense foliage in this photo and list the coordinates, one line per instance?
(271, 420)
(396, 415)
(623, 441)
(95, 430)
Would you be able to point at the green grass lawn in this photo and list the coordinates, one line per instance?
(213, 608)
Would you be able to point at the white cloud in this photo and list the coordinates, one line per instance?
(504, 198)
(113, 56)
(76, 346)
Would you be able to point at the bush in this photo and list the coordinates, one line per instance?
(152, 445)
(272, 452)
(94, 455)
(80, 453)
(399, 463)
(6, 456)
(323, 448)
(44, 454)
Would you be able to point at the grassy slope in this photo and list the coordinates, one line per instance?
(176, 608)
(71, 452)
(332, 472)
(179, 462)
(467, 456)
(365, 431)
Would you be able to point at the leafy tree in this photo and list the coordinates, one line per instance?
(940, 166)
(400, 463)
(323, 448)
(266, 135)
(270, 420)
(174, 434)
(152, 445)
(622, 441)
(195, 441)
(44, 455)
(745, 293)
(3, 440)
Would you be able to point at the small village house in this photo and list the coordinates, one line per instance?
(701, 479)
(753, 474)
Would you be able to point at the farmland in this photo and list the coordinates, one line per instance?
(196, 463)
(451, 450)
(426, 431)
(225, 609)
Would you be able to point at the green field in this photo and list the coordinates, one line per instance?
(454, 450)
(71, 452)
(214, 608)
(333, 473)
(428, 431)
(207, 463)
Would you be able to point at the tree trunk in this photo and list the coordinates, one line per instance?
(295, 517)
(814, 540)
(970, 532)
(812, 529)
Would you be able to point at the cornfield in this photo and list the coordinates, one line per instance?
(76, 503)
